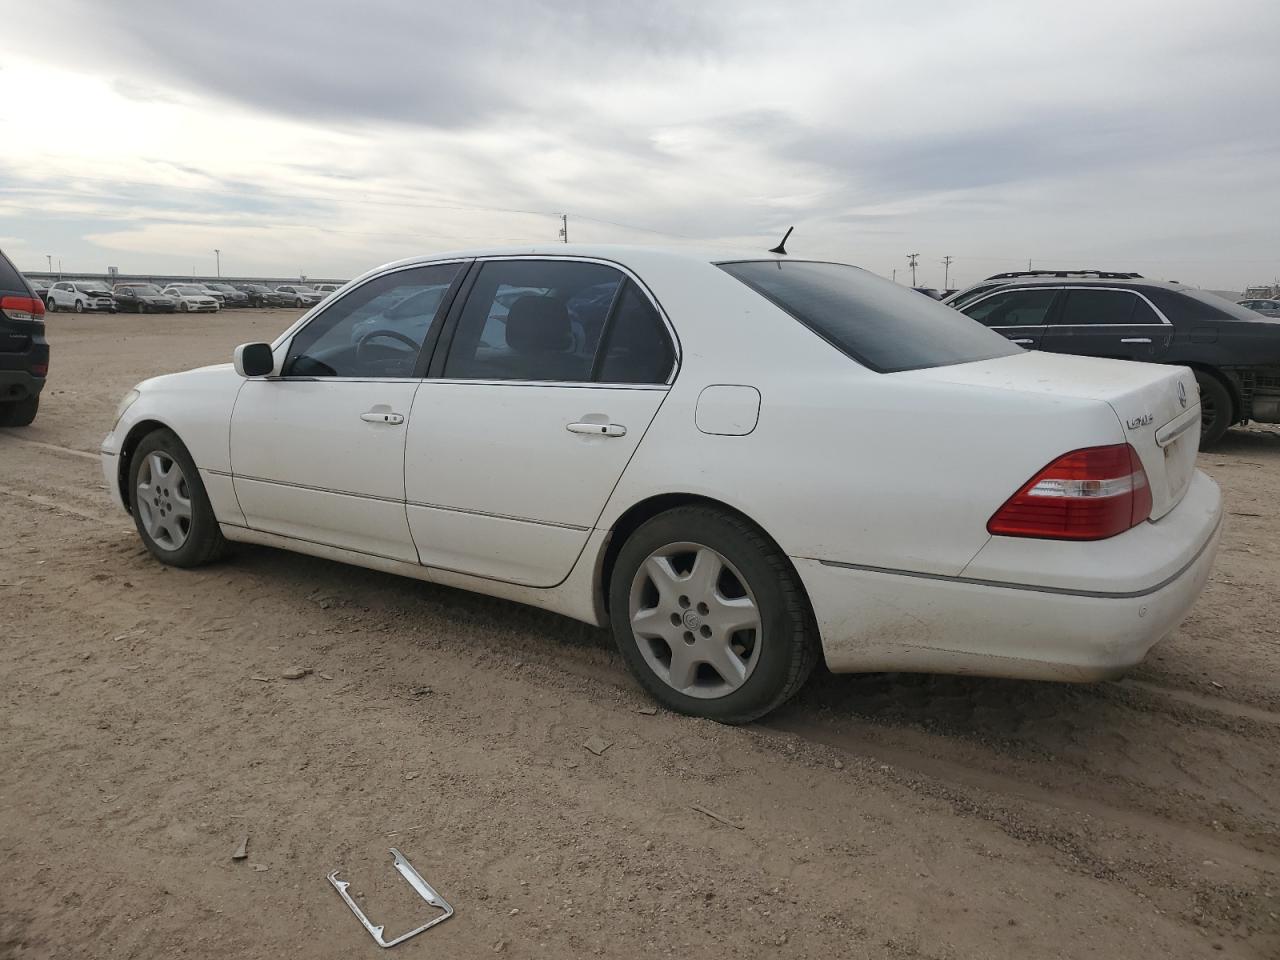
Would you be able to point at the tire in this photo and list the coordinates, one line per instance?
(159, 518)
(19, 413)
(182, 306)
(51, 305)
(79, 306)
(772, 660)
(1217, 411)
(298, 303)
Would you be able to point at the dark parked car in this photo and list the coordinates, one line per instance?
(260, 295)
(24, 352)
(143, 298)
(41, 287)
(231, 296)
(1234, 352)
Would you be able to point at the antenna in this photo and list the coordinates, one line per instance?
(782, 247)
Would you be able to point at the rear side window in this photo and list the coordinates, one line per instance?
(882, 325)
(1013, 308)
(533, 320)
(1103, 308)
(637, 347)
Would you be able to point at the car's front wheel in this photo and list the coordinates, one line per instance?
(51, 305)
(79, 306)
(170, 506)
(710, 616)
(19, 413)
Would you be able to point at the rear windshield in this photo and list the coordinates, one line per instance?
(1222, 305)
(882, 325)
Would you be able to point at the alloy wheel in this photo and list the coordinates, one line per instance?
(163, 501)
(695, 620)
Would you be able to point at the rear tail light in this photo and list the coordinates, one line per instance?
(22, 308)
(1088, 494)
(40, 369)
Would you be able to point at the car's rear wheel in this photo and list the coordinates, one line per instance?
(170, 506)
(710, 616)
(1217, 412)
(19, 413)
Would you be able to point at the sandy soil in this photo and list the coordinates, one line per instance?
(878, 816)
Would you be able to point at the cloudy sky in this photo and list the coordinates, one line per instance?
(324, 138)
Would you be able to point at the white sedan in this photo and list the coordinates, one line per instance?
(192, 298)
(739, 464)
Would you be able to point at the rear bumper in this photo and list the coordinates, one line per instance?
(19, 385)
(873, 620)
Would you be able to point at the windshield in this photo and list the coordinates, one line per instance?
(883, 325)
(221, 287)
(305, 290)
(145, 289)
(93, 287)
(188, 289)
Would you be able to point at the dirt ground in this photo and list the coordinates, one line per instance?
(145, 728)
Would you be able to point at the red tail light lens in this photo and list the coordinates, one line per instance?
(22, 308)
(1088, 494)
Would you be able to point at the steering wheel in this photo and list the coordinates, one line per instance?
(393, 334)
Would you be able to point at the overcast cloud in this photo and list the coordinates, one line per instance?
(324, 138)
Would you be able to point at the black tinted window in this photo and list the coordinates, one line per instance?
(1013, 308)
(533, 320)
(1142, 312)
(376, 330)
(10, 279)
(637, 348)
(882, 325)
(1095, 307)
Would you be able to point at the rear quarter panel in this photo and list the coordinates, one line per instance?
(848, 465)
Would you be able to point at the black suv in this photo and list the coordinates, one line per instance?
(1234, 352)
(24, 352)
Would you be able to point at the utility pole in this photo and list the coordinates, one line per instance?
(218, 253)
(895, 275)
(49, 257)
(946, 272)
(911, 259)
(564, 228)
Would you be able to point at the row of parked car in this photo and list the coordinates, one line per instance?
(88, 296)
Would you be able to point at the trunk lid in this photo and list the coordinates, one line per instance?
(1158, 406)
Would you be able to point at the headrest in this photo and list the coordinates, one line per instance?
(539, 325)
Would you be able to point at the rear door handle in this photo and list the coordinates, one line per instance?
(1135, 339)
(380, 417)
(597, 429)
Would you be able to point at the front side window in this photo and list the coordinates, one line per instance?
(1086, 308)
(1013, 308)
(376, 330)
(533, 320)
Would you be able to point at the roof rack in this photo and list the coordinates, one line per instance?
(1100, 274)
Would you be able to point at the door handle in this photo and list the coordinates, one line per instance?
(380, 417)
(1135, 339)
(1024, 341)
(597, 429)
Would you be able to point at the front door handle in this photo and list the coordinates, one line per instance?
(1024, 342)
(1135, 340)
(597, 429)
(378, 416)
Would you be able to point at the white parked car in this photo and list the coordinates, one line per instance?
(80, 295)
(192, 298)
(303, 295)
(739, 464)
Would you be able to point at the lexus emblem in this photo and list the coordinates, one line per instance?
(1182, 394)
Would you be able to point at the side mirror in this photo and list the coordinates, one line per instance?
(254, 359)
